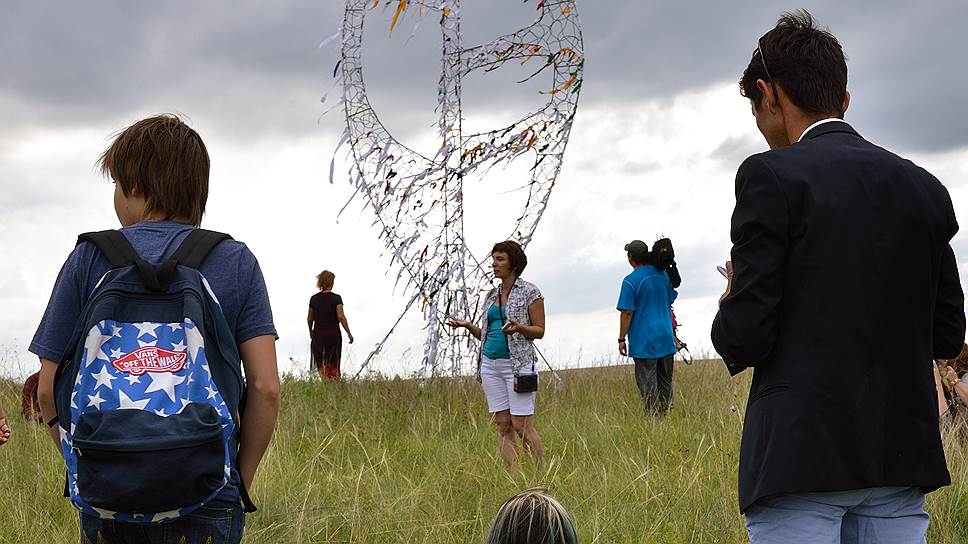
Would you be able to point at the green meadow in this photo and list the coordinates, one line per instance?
(382, 460)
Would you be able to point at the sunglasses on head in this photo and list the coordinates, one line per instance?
(759, 51)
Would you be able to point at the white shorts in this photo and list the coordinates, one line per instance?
(497, 378)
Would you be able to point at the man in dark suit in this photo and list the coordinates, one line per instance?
(842, 289)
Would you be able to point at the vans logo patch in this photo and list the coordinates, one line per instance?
(151, 359)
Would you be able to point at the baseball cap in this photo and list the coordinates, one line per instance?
(637, 247)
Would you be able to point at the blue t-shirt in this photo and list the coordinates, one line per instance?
(496, 342)
(231, 269)
(648, 293)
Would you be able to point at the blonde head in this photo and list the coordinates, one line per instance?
(324, 280)
(532, 517)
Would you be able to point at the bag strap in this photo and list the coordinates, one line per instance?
(191, 253)
(196, 247)
(113, 245)
(120, 253)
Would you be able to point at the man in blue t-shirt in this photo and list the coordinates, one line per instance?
(645, 303)
(160, 169)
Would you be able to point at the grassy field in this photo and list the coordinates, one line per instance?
(382, 461)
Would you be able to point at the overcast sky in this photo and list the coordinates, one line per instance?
(660, 131)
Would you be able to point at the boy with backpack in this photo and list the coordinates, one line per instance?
(142, 348)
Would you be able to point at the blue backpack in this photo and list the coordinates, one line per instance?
(150, 391)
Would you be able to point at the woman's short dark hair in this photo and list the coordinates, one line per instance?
(806, 61)
(515, 254)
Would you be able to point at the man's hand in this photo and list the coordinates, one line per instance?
(623, 348)
(729, 281)
(4, 431)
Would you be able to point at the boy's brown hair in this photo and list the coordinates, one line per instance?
(167, 161)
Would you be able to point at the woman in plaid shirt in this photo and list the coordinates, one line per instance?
(513, 318)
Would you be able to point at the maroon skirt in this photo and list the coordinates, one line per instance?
(326, 347)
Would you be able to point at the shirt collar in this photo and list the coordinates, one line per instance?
(496, 290)
(817, 124)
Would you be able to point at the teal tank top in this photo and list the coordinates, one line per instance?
(495, 342)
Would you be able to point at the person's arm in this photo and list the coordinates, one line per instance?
(939, 389)
(45, 397)
(959, 387)
(49, 343)
(342, 320)
(624, 324)
(4, 428)
(961, 390)
(262, 403)
(745, 328)
(536, 315)
(475, 331)
(309, 321)
(626, 307)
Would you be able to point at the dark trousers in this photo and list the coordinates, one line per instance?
(216, 524)
(654, 379)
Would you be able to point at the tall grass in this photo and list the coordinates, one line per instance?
(386, 461)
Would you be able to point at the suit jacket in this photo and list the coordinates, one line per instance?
(844, 289)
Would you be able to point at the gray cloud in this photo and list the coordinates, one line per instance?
(253, 68)
(734, 149)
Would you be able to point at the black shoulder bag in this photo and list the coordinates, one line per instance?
(523, 383)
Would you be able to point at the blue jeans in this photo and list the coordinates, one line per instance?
(876, 515)
(216, 523)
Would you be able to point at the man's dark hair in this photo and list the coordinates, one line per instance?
(640, 257)
(167, 161)
(806, 61)
(515, 254)
(638, 251)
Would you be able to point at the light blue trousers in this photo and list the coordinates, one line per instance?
(876, 515)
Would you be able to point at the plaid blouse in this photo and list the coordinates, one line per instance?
(522, 350)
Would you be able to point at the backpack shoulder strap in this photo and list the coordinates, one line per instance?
(113, 245)
(120, 253)
(196, 247)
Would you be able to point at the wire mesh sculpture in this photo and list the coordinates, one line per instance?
(417, 200)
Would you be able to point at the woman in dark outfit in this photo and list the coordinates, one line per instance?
(325, 317)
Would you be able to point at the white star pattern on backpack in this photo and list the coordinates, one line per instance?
(178, 376)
